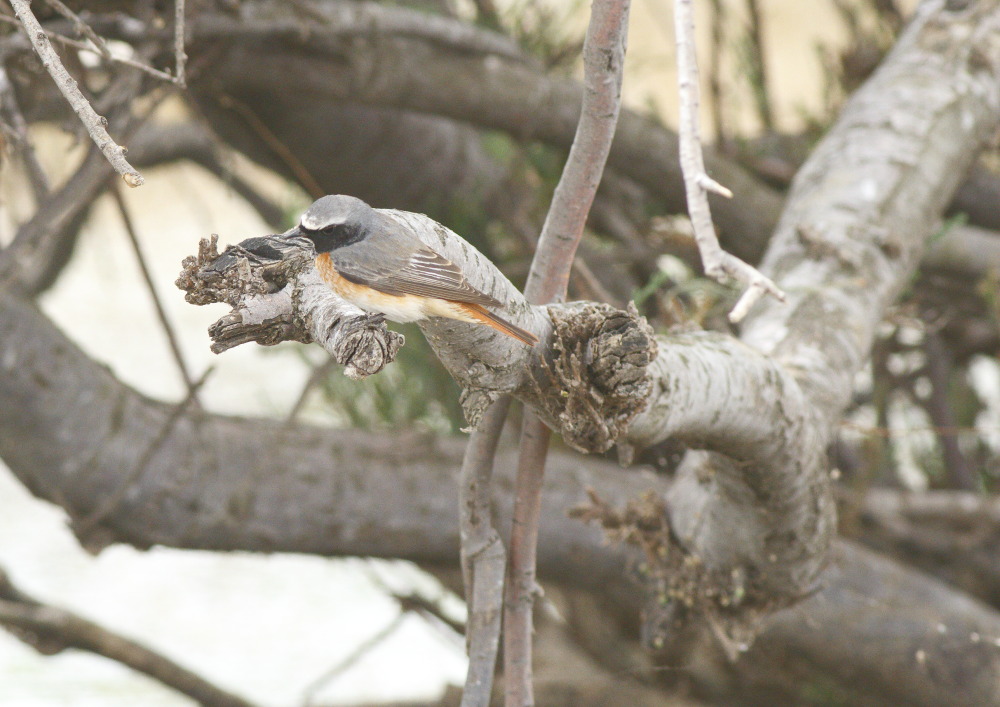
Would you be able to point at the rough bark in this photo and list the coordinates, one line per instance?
(587, 380)
(71, 433)
(845, 247)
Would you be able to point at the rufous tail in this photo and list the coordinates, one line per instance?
(500, 324)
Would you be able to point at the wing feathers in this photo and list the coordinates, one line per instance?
(422, 272)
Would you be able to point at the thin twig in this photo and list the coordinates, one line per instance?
(718, 40)
(939, 408)
(83, 526)
(603, 60)
(161, 313)
(94, 123)
(718, 264)
(319, 373)
(83, 46)
(301, 173)
(180, 57)
(10, 108)
(483, 556)
(50, 629)
(365, 647)
(81, 27)
(759, 82)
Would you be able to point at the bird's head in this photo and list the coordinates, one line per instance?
(334, 221)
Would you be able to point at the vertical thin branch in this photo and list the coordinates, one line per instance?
(10, 109)
(758, 67)
(939, 370)
(161, 313)
(483, 556)
(180, 57)
(718, 35)
(718, 263)
(603, 60)
(95, 124)
(521, 588)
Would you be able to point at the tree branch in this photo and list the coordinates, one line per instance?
(697, 184)
(482, 556)
(805, 354)
(343, 510)
(95, 124)
(51, 630)
(603, 60)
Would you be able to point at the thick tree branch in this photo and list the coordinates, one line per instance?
(70, 431)
(845, 247)
(489, 84)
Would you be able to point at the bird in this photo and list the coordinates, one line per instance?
(375, 263)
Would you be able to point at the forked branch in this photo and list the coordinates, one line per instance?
(95, 124)
(718, 264)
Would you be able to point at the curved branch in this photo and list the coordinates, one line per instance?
(50, 629)
(70, 431)
(466, 81)
(846, 246)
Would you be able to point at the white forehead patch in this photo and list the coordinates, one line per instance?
(311, 222)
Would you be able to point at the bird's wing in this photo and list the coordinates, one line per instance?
(404, 266)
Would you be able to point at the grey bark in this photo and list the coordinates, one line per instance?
(70, 432)
(845, 247)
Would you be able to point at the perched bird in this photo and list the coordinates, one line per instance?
(373, 262)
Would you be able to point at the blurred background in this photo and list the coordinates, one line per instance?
(294, 630)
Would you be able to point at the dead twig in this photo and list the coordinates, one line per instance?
(718, 264)
(759, 81)
(318, 374)
(11, 112)
(94, 123)
(83, 46)
(365, 647)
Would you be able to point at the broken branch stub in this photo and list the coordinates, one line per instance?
(595, 381)
(276, 295)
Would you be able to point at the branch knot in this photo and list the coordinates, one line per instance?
(597, 372)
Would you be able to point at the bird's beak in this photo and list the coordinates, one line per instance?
(293, 232)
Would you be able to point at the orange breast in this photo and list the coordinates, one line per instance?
(399, 308)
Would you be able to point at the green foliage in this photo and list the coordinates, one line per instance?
(414, 390)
